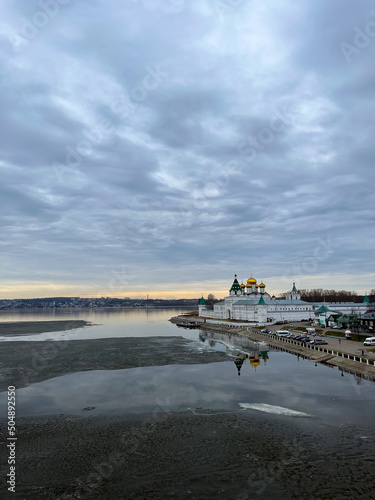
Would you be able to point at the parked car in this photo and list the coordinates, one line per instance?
(303, 338)
(266, 330)
(369, 341)
(283, 333)
(318, 342)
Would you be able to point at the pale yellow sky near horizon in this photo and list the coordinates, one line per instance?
(220, 288)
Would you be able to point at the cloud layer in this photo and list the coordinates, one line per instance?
(155, 145)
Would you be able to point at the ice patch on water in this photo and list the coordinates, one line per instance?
(279, 410)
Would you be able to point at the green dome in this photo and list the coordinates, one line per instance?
(236, 287)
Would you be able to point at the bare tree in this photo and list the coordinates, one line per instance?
(211, 299)
(321, 295)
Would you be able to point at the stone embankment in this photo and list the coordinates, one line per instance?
(345, 357)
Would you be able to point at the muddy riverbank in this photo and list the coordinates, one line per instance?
(24, 363)
(17, 328)
(197, 455)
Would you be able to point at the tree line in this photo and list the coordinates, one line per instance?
(322, 295)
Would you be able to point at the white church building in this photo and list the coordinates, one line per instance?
(252, 303)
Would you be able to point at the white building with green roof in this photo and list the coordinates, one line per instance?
(252, 303)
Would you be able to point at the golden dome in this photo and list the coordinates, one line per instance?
(251, 281)
(262, 285)
(254, 362)
(242, 285)
(256, 286)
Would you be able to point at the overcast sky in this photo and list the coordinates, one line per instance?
(160, 146)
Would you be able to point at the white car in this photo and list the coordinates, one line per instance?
(283, 333)
(369, 341)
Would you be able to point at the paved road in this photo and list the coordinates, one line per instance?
(341, 345)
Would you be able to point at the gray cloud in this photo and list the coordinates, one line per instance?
(185, 142)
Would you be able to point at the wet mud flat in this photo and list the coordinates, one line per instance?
(10, 329)
(201, 454)
(195, 454)
(24, 363)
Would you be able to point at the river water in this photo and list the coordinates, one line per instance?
(261, 423)
(253, 378)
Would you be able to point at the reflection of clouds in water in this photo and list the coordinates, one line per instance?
(106, 323)
(298, 386)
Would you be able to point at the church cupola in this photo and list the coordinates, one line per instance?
(236, 287)
(251, 284)
(239, 362)
(202, 306)
(294, 294)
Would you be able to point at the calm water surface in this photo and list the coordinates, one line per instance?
(107, 323)
(253, 374)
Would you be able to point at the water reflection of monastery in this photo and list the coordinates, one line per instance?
(254, 358)
(248, 350)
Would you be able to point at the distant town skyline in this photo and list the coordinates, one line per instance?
(160, 147)
(274, 285)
